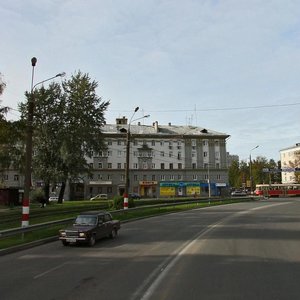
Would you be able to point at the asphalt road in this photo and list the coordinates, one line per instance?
(240, 251)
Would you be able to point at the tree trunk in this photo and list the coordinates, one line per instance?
(47, 191)
(61, 192)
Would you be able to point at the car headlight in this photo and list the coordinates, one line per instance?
(62, 233)
(81, 234)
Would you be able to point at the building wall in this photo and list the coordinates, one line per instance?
(289, 157)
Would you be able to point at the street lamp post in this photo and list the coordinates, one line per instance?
(28, 155)
(128, 138)
(250, 169)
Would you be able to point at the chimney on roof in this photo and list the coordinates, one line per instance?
(155, 125)
(121, 121)
(170, 124)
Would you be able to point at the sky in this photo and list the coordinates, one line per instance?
(232, 66)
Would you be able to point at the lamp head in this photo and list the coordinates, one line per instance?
(62, 74)
(33, 61)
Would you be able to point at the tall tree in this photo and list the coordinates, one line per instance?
(67, 121)
(11, 139)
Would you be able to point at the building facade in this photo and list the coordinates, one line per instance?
(164, 160)
(290, 159)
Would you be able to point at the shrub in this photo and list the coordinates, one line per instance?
(37, 195)
(118, 202)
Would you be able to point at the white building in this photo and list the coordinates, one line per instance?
(165, 160)
(290, 159)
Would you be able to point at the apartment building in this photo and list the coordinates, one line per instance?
(164, 160)
(290, 159)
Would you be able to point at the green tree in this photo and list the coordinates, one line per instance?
(67, 128)
(11, 139)
(234, 174)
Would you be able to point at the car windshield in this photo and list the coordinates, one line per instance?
(86, 220)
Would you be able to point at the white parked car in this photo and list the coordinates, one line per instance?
(99, 197)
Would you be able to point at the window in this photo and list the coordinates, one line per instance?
(100, 165)
(153, 177)
(109, 189)
(122, 177)
(193, 142)
(180, 166)
(171, 177)
(153, 143)
(91, 165)
(135, 177)
(162, 177)
(162, 166)
(108, 177)
(119, 166)
(170, 154)
(194, 176)
(109, 165)
(179, 177)
(162, 153)
(153, 166)
(99, 176)
(193, 154)
(179, 155)
(205, 154)
(135, 165)
(16, 177)
(109, 142)
(119, 153)
(144, 177)
(194, 165)
(171, 166)
(162, 143)
(119, 142)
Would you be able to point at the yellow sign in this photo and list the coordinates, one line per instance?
(193, 190)
(167, 191)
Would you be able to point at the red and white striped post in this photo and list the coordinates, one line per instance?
(28, 160)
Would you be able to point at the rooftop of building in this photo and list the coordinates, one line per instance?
(156, 129)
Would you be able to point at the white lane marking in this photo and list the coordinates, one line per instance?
(48, 271)
(164, 268)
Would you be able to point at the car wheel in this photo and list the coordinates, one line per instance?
(65, 243)
(113, 233)
(92, 241)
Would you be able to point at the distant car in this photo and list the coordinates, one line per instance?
(99, 197)
(53, 198)
(239, 193)
(135, 196)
